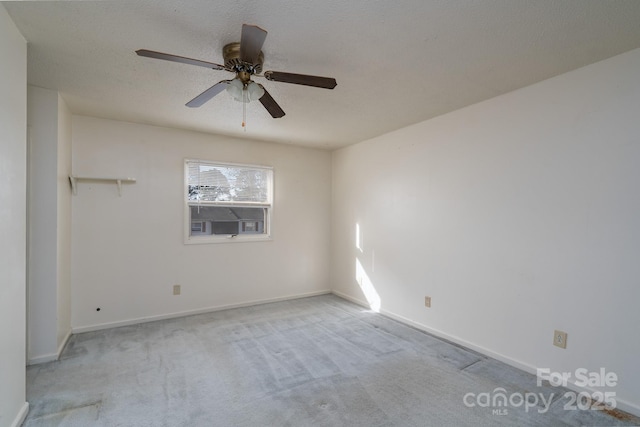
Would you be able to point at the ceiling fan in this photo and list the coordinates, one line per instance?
(245, 59)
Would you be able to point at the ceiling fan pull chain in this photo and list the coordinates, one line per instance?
(244, 109)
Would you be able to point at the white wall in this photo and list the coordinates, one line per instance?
(13, 126)
(128, 251)
(518, 216)
(63, 249)
(42, 119)
(49, 222)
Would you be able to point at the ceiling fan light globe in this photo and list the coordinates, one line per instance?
(236, 89)
(255, 91)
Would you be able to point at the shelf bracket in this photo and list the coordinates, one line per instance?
(119, 181)
(74, 188)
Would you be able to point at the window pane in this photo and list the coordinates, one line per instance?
(211, 183)
(225, 228)
(227, 220)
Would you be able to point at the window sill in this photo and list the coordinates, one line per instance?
(206, 240)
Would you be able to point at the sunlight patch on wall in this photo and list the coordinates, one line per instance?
(369, 291)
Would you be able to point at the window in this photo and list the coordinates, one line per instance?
(198, 227)
(226, 202)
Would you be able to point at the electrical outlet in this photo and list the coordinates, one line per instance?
(176, 289)
(427, 302)
(560, 339)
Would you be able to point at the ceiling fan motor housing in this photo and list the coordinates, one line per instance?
(232, 62)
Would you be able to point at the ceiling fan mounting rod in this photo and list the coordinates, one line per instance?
(244, 76)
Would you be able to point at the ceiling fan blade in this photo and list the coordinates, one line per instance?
(251, 43)
(301, 79)
(271, 105)
(175, 58)
(208, 94)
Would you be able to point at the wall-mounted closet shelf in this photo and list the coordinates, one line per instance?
(119, 181)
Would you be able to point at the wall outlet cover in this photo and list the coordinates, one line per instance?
(427, 301)
(560, 339)
(176, 289)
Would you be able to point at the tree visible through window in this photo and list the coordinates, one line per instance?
(227, 200)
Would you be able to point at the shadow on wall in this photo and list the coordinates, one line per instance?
(362, 278)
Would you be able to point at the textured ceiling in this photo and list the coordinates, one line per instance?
(396, 62)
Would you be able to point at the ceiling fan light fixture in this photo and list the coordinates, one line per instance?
(236, 89)
(241, 93)
(255, 91)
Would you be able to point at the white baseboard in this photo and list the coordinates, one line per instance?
(64, 342)
(97, 327)
(628, 407)
(620, 404)
(22, 415)
(44, 358)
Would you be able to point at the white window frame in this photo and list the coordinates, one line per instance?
(227, 238)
